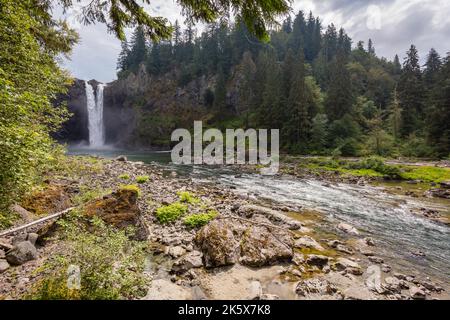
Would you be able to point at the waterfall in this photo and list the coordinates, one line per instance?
(95, 115)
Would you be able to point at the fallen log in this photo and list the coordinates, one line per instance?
(28, 225)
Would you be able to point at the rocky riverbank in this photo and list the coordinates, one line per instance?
(242, 248)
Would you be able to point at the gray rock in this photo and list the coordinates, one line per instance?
(392, 284)
(416, 293)
(21, 237)
(2, 254)
(317, 260)
(198, 293)
(276, 217)
(226, 242)
(308, 242)
(344, 249)
(315, 286)
(348, 265)
(347, 228)
(400, 276)
(386, 268)
(377, 260)
(254, 290)
(32, 237)
(298, 259)
(369, 241)
(404, 284)
(121, 159)
(268, 297)
(373, 279)
(21, 253)
(4, 265)
(176, 252)
(366, 252)
(187, 262)
(334, 243)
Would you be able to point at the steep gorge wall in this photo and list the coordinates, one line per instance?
(141, 111)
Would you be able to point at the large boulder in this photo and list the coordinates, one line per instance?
(21, 253)
(119, 209)
(229, 241)
(54, 198)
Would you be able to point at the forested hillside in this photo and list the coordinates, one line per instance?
(326, 92)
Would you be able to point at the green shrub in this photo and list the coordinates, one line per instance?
(131, 187)
(28, 116)
(199, 220)
(111, 265)
(142, 179)
(171, 213)
(187, 197)
(124, 176)
(377, 164)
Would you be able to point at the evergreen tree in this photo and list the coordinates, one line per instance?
(297, 37)
(340, 95)
(439, 122)
(371, 48)
(138, 49)
(411, 92)
(397, 70)
(220, 94)
(298, 122)
(432, 68)
(122, 61)
(395, 116)
(270, 112)
(287, 25)
(330, 42)
(319, 132)
(246, 92)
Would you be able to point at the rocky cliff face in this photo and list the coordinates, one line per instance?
(75, 130)
(141, 111)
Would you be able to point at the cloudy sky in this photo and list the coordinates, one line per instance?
(393, 26)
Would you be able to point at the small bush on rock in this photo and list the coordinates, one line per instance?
(142, 179)
(187, 197)
(200, 220)
(124, 176)
(131, 187)
(171, 213)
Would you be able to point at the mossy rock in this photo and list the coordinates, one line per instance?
(120, 210)
(52, 199)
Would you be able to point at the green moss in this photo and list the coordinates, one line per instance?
(187, 197)
(200, 220)
(170, 213)
(142, 179)
(87, 194)
(124, 176)
(425, 173)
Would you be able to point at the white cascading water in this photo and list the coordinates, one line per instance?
(95, 116)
